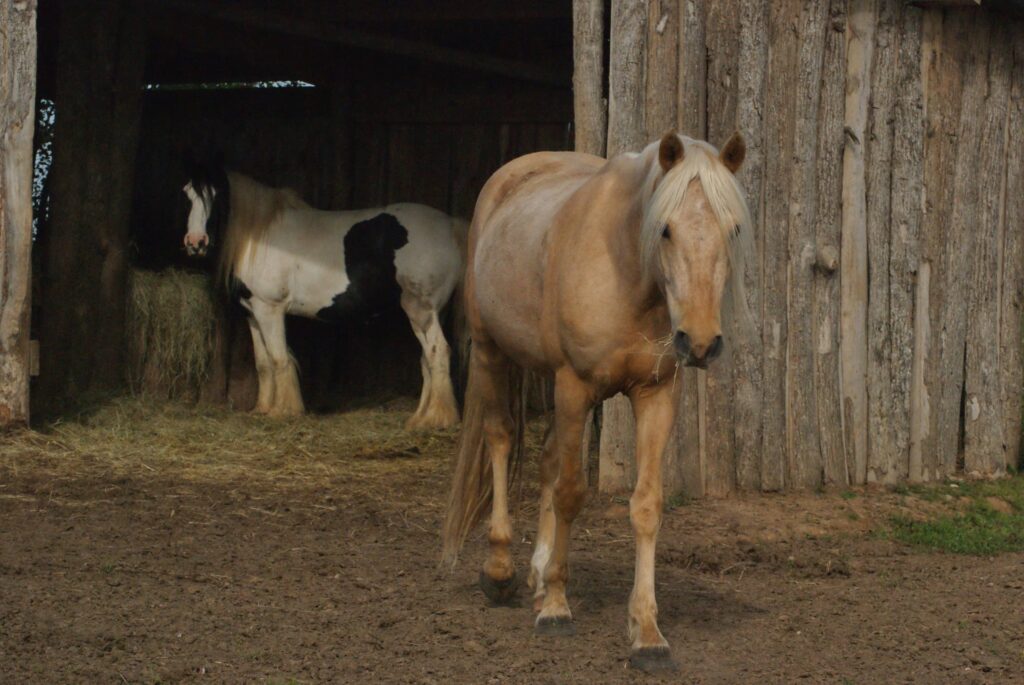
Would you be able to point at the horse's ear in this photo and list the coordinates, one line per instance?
(670, 152)
(733, 152)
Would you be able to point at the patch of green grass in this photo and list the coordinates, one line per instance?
(980, 529)
(675, 501)
(848, 494)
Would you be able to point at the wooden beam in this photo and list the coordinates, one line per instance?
(17, 124)
(590, 112)
(365, 40)
(854, 249)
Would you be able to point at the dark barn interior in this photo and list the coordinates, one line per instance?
(353, 104)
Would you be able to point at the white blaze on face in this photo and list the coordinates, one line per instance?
(196, 239)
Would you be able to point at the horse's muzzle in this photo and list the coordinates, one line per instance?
(696, 355)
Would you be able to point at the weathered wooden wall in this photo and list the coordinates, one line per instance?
(884, 173)
(17, 122)
(340, 149)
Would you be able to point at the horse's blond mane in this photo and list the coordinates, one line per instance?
(723, 193)
(253, 208)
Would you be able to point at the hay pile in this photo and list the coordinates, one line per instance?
(170, 331)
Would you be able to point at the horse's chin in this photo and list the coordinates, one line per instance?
(692, 363)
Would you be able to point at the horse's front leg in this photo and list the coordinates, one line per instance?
(573, 399)
(287, 396)
(264, 368)
(655, 410)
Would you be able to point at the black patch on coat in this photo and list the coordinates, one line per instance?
(370, 248)
(239, 290)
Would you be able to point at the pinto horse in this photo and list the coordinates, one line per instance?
(610, 274)
(280, 256)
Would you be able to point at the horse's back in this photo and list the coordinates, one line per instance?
(508, 247)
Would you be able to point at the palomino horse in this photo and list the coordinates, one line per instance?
(280, 256)
(596, 271)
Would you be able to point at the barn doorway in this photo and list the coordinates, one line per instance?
(352, 104)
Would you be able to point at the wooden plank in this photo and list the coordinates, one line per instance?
(589, 110)
(718, 408)
(748, 358)
(418, 165)
(660, 101)
(17, 125)
(854, 262)
(944, 42)
(428, 102)
(904, 242)
(960, 242)
(983, 422)
(825, 312)
(1011, 360)
(878, 161)
(474, 158)
(804, 466)
(99, 87)
(692, 108)
(625, 132)
(780, 105)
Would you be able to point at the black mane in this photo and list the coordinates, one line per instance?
(210, 183)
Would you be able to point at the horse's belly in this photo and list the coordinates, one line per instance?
(508, 287)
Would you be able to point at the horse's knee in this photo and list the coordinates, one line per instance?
(645, 511)
(569, 494)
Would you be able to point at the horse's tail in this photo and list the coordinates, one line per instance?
(460, 329)
(472, 483)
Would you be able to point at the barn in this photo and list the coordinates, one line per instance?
(162, 534)
(883, 177)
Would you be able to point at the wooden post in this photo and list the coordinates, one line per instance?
(853, 257)
(17, 124)
(589, 106)
(825, 312)
(625, 132)
(751, 78)
(1011, 360)
(98, 99)
(984, 443)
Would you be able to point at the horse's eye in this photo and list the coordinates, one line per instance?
(665, 232)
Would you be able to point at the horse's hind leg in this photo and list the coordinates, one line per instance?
(287, 395)
(546, 519)
(264, 369)
(490, 366)
(437, 399)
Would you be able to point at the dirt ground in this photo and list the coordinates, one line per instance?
(124, 574)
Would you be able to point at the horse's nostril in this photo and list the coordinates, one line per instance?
(681, 341)
(715, 349)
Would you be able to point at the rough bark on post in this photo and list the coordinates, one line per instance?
(802, 445)
(853, 259)
(961, 243)
(1011, 360)
(625, 132)
(17, 123)
(944, 43)
(98, 98)
(780, 101)
(878, 163)
(589, 108)
(825, 312)
(905, 222)
(983, 421)
(751, 76)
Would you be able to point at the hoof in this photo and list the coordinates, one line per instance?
(653, 660)
(554, 626)
(499, 591)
